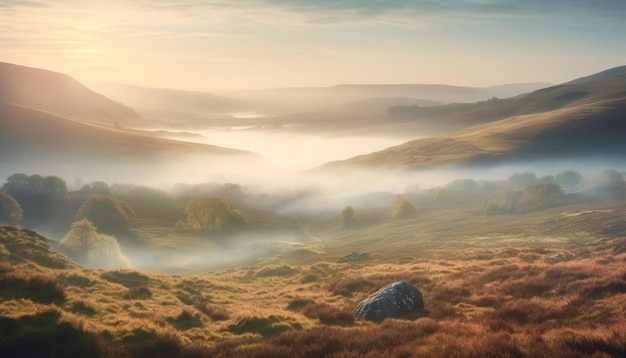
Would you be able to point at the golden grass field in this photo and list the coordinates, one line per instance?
(492, 287)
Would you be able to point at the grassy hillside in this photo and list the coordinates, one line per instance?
(519, 286)
(27, 131)
(58, 93)
(580, 118)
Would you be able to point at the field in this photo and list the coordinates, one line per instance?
(540, 284)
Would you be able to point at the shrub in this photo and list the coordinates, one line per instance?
(10, 210)
(42, 335)
(80, 307)
(403, 209)
(75, 280)
(284, 270)
(265, 326)
(38, 289)
(328, 314)
(212, 311)
(138, 293)
(346, 218)
(128, 279)
(185, 321)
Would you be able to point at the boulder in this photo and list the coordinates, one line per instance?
(396, 300)
(353, 256)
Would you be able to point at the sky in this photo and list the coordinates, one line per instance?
(218, 45)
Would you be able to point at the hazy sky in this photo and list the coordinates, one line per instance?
(235, 44)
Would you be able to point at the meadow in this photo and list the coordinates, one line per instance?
(528, 283)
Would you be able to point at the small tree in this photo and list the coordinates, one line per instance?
(346, 218)
(91, 249)
(211, 213)
(441, 194)
(10, 210)
(403, 209)
(108, 214)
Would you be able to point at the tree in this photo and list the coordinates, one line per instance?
(568, 179)
(89, 248)
(522, 179)
(39, 196)
(110, 215)
(10, 210)
(540, 196)
(211, 213)
(96, 187)
(403, 209)
(346, 218)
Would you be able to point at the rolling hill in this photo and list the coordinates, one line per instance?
(48, 114)
(170, 100)
(58, 93)
(306, 99)
(28, 132)
(584, 117)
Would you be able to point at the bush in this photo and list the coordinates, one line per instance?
(346, 218)
(42, 335)
(403, 209)
(80, 307)
(266, 327)
(127, 279)
(534, 197)
(38, 289)
(108, 214)
(138, 293)
(185, 321)
(10, 210)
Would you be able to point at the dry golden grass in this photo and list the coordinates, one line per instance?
(489, 287)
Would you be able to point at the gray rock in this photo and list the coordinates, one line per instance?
(353, 256)
(396, 300)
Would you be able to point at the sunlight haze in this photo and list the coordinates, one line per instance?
(226, 45)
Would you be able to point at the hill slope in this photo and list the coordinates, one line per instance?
(584, 117)
(168, 99)
(58, 93)
(18, 246)
(26, 132)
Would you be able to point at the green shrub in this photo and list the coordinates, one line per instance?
(185, 320)
(403, 209)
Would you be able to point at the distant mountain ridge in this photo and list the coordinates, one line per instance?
(303, 99)
(584, 118)
(171, 100)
